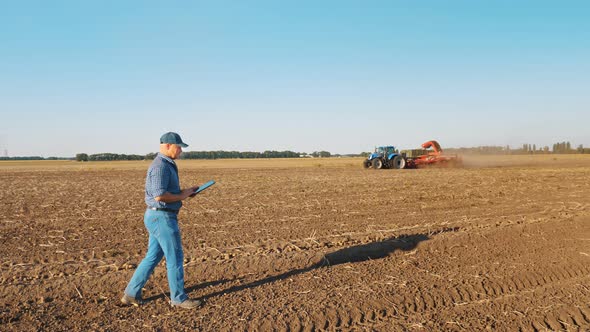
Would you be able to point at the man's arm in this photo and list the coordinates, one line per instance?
(171, 198)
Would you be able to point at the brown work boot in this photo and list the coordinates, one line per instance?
(129, 300)
(188, 304)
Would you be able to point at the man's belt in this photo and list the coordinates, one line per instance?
(163, 209)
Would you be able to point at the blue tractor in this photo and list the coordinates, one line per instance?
(385, 157)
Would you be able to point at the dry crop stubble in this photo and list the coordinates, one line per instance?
(284, 244)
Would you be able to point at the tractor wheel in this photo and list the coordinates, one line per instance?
(398, 162)
(366, 163)
(377, 163)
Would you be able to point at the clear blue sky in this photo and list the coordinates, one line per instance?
(342, 76)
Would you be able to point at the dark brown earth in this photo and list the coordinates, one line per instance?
(323, 247)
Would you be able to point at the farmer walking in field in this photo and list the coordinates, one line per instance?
(163, 197)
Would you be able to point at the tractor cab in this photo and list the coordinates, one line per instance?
(386, 149)
(382, 151)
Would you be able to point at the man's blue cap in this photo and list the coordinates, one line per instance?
(172, 138)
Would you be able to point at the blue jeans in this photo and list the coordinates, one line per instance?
(164, 242)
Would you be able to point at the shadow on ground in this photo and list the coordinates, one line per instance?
(371, 251)
(354, 254)
(188, 290)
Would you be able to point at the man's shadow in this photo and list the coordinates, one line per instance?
(354, 254)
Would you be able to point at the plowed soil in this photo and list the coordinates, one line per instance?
(311, 245)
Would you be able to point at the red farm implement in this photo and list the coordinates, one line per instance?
(431, 154)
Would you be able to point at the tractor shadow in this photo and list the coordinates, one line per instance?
(354, 254)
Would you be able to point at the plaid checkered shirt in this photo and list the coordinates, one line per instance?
(162, 177)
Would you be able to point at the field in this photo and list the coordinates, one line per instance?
(301, 245)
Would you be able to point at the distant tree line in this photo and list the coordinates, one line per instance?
(493, 150)
(35, 158)
(566, 147)
(203, 155)
(237, 154)
(558, 148)
(108, 157)
(478, 150)
(23, 158)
